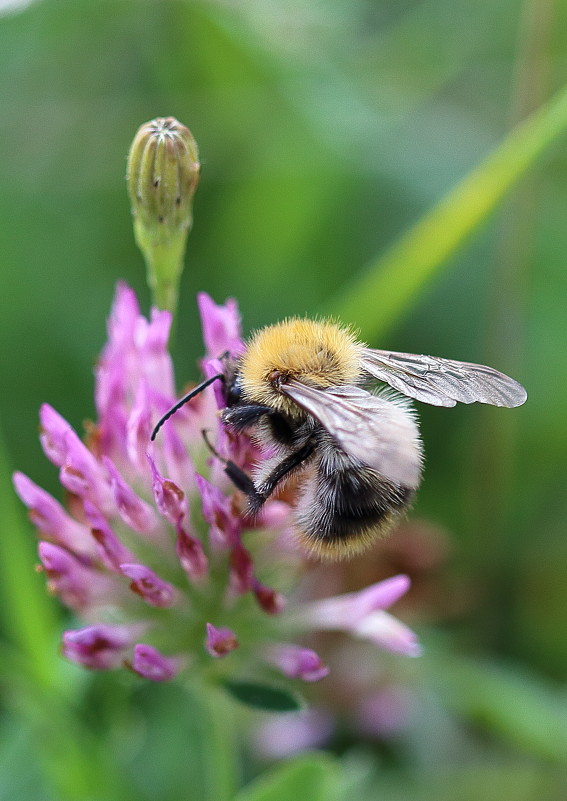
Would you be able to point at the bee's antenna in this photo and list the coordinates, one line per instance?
(203, 385)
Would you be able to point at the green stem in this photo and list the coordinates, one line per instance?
(164, 256)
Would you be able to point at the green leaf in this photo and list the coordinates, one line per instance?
(388, 287)
(263, 696)
(313, 777)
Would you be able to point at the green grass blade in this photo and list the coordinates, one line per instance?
(381, 295)
(27, 611)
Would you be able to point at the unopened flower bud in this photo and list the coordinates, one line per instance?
(163, 173)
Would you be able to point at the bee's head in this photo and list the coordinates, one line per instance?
(321, 354)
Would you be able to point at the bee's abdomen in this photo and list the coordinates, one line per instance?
(342, 511)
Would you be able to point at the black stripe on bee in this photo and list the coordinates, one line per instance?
(345, 505)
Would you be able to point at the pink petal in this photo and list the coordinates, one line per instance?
(241, 570)
(270, 600)
(296, 662)
(176, 458)
(170, 499)
(137, 514)
(224, 524)
(111, 551)
(149, 663)
(117, 369)
(221, 326)
(274, 515)
(124, 313)
(78, 586)
(344, 611)
(51, 519)
(154, 590)
(220, 642)
(139, 428)
(53, 434)
(151, 344)
(80, 472)
(211, 367)
(191, 555)
(389, 633)
(98, 647)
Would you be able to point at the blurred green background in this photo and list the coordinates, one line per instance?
(328, 130)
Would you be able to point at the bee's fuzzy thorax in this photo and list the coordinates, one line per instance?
(320, 353)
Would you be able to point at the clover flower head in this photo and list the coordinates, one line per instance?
(152, 551)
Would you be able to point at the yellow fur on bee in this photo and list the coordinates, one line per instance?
(347, 547)
(319, 353)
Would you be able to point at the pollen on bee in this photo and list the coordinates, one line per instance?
(320, 353)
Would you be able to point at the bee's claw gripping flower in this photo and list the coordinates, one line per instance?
(163, 173)
(158, 549)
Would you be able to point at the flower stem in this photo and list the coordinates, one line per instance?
(164, 264)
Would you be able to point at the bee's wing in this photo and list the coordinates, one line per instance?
(379, 432)
(442, 382)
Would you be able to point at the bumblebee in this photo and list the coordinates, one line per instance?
(299, 389)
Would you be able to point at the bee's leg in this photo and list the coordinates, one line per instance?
(243, 417)
(257, 496)
(280, 471)
(239, 478)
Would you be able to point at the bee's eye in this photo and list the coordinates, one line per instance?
(276, 378)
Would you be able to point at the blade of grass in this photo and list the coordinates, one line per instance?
(26, 609)
(388, 287)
